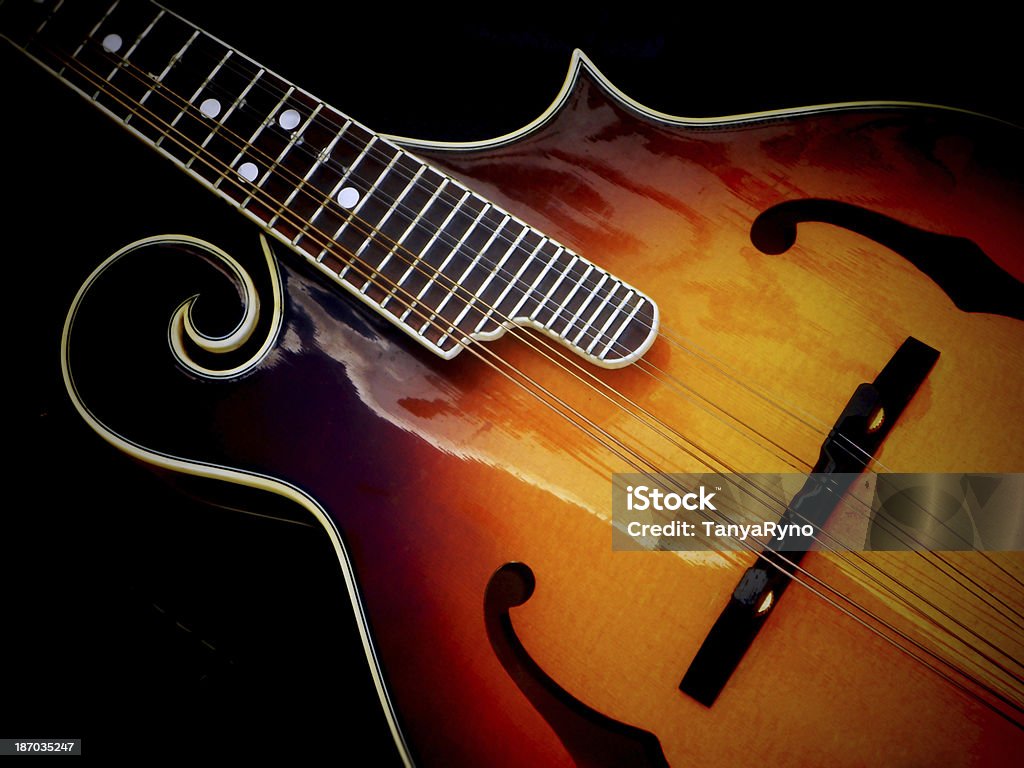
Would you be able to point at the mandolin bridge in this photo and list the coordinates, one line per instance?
(854, 439)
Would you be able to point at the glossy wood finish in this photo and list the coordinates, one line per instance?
(436, 473)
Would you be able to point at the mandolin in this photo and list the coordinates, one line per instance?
(439, 357)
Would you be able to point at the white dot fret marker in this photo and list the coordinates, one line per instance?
(288, 119)
(248, 171)
(210, 107)
(348, 197)
(112, 43)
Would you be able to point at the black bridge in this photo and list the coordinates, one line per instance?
(855, 438)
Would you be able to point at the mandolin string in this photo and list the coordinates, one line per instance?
(883, 517)
(398, 171)
(205, 160)
(282, 95)
(260, 84)
(520, 385)
(282, 92)
(326, 198)
(279, 96)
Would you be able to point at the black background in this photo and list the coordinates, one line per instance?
(135, 618)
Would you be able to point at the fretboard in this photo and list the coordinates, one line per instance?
(442, 263)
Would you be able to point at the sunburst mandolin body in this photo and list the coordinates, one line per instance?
(429, 475)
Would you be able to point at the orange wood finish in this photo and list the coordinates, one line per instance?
(669, 210)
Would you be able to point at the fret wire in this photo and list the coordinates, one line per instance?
(410, 186)
(405, 233)
(295, 137)
(374, 229)
(174, 60)
(218, 122)
(337, 188)
(451, 255)
(477, 256)
(442, 233)
(528, 293)
(477, 295)
(191, 102)
(317, 162)
(622, 328)
(598, 330)
(166, 70)
(561, 277)
(39, 30)
(604, 328)
(135, 44)
(412, 224)
(88, 37)
(276, 165)
(430, 244)
(223, 122)
(601, 305)
(556, 282)
(494, 273)
(263, 124)
(565, 302)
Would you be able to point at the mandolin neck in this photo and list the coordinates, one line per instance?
(439, 261)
